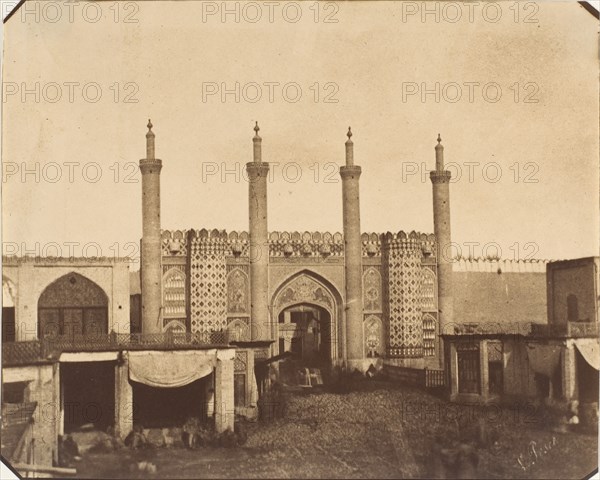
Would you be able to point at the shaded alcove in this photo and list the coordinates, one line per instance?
(156, 407)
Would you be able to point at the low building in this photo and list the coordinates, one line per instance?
(75, 361)
(556, 361)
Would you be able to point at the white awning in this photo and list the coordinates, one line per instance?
(88, 356)
(543, 359)
(590, 351)
(171, 369)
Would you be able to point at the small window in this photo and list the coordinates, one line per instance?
(572, 308)
(14, 392)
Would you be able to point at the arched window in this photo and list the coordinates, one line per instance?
(72, 305)
(428, 291)
(372, 290)
(174, 294)
(237, 292)
(429, 335)
(238, 330)
(572, 308)
(175, 326)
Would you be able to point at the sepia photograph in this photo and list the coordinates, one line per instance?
(300, 239)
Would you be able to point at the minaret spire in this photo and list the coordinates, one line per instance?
(354, 354)
(439, 155)
(150, 142)
(440, 179)
(257, 141)
(349, 149)
(151, 271)
(261, 326)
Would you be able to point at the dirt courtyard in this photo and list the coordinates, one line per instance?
(379, 430)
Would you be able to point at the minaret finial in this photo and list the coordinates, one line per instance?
(439, 154)
(349, 149)
(257, 144)
(150, 141)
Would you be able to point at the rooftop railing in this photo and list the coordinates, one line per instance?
(50, 348)
(568, 329)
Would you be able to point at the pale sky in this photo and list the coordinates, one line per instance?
(375, 61)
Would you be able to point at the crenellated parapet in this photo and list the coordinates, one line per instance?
(412, 242)
(177, 242)
(174, 243)
(209, 242)
(294, 244)
(307, 244)
(12, 260)
(487, 265)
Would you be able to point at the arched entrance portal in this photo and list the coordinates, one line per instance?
(306, 310)
(305, 331)
(72, 305)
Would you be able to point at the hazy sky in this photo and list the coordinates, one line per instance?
(517, 97)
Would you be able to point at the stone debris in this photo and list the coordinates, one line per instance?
(95, 440)
(143, 467)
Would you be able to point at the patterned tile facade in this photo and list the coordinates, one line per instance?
(403, 278)
(399, 283)
(208, 285)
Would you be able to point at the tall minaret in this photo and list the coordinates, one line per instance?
(151, 241)
(440, 179)
(258, 170)
(355, 352)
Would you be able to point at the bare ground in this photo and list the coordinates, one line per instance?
(379, 430)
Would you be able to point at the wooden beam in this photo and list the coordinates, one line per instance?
(44, 469)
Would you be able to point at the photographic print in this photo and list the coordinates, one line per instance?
(300, 239)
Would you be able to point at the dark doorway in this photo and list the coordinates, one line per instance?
(9, 332)
(587, 380)
(496, 380)
(495, 367)
(468, 368)
(542, 383)
(170, 407)
(305, 330)
(88, 390)
(8, 324)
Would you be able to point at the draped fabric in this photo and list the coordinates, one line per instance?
(544, 359)
(170, 369)
(590, 351)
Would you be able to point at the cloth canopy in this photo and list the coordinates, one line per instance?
(170, 369)
(590, 351)
(543, 359)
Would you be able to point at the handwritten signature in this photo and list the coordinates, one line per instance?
(535, 453)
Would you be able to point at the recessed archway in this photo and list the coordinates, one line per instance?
(72, 305)
(305, 331)
(316, 304)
